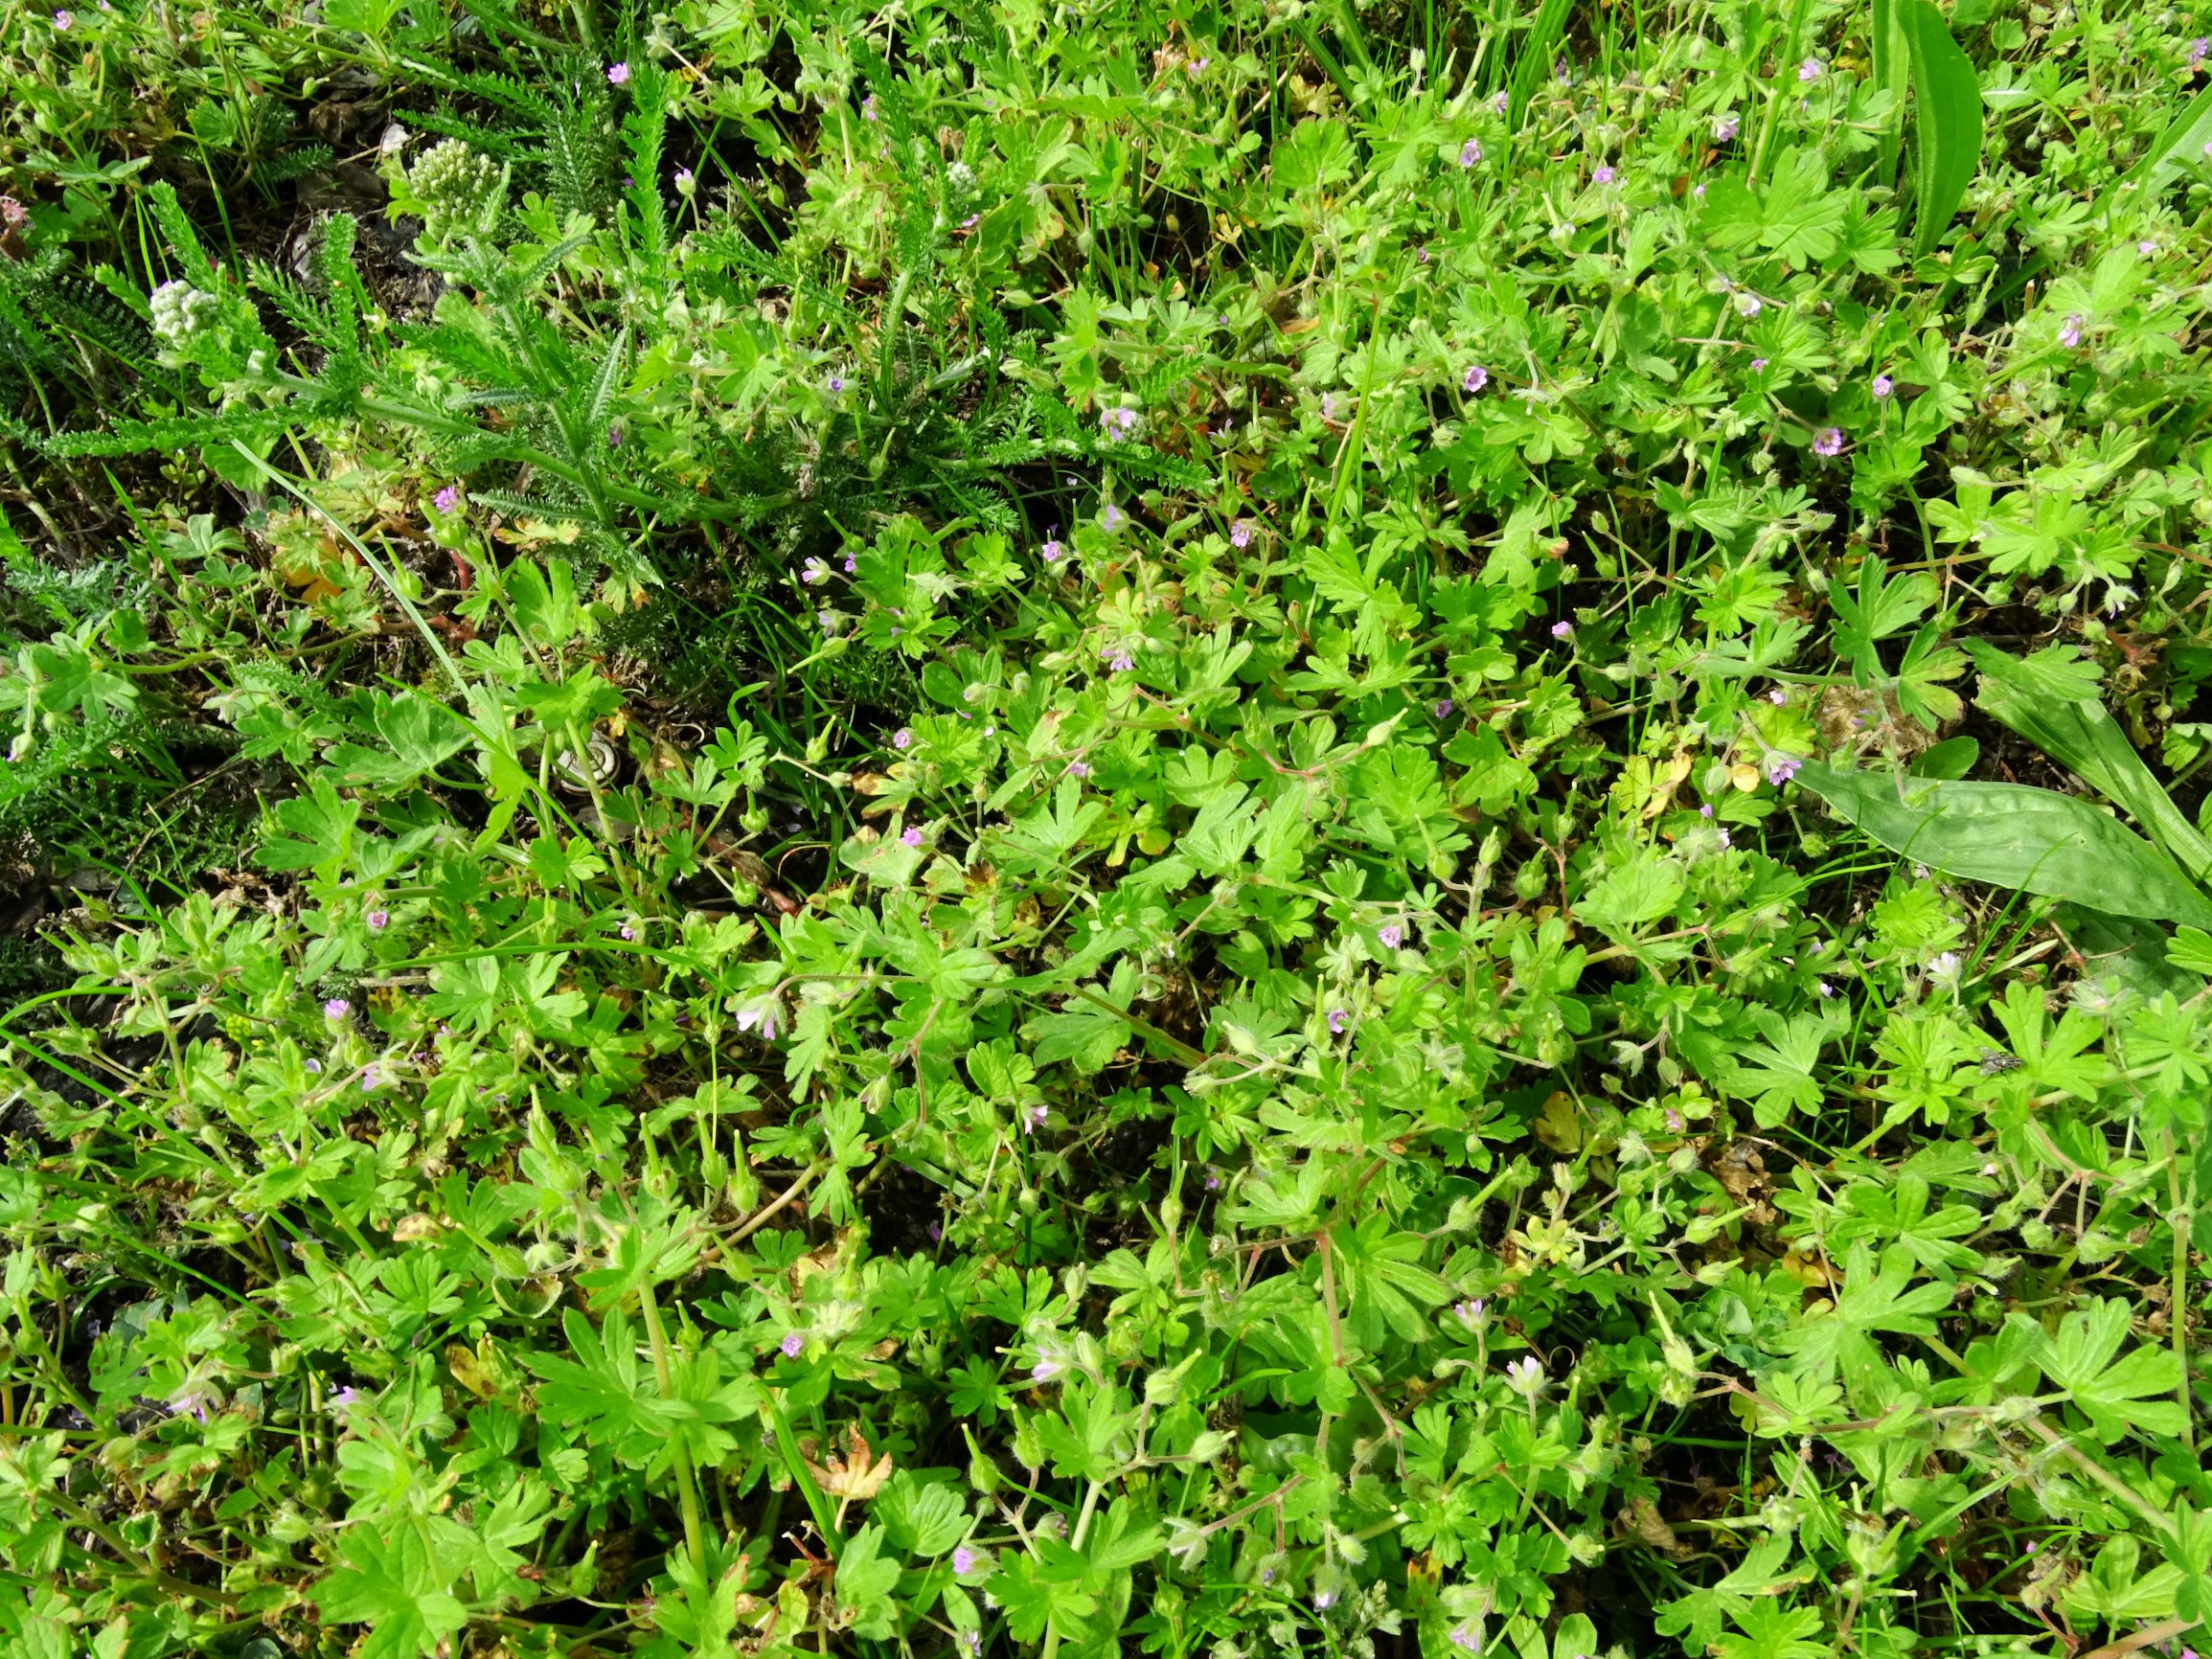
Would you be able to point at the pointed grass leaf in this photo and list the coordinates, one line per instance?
(2008, 836)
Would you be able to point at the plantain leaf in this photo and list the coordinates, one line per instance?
(1892, 66)
(1948, 95)
(2052, 701)
(2174, 148)
(2009, 836)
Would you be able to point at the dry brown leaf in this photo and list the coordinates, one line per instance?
(853, 1476)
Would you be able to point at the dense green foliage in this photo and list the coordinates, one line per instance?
(1214, 830)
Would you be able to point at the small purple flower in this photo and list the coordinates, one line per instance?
(684, 180)
(834, 385)
(618, 73)
(2070, 330)
(2147, 247)
(902, 738)
(1727, 127)
(762, 1015)
(2199, 48)
(1053, 551)
(910, 836)
(1825, 989)
(793, 1344)
(1240, 534)
(378, 920)
(1078, 768)
(1213, 1179)
(1390, 935)
(1474, 379)
(1829, 442)
(1778, 696)
(65, 20)
(1698, 194)
(816, 573)
(626, 931)
(1811, 70)
(337, 1007)
(964, 1560)
(1758, 364)
(314, 1067)
(1471, 1314)
(1335, 1022)
(1045, 1368)
(852, 563)
(1601, 174)
(1471, 152)
(446, 499)
(614, 437)
(1464, 1637)
(1674, 1120)
(1723, 834)
(868, 107)
(1882, 385)
(1749, 305)
(1501, 101)
(1118, 425)
(1562, 631)
(346, 1398)
(372, 1078)
(1119, 660)
(1441, 708)
(1781, 768)
(1111, 518)
(1033, 1117)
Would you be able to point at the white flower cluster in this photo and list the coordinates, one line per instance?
(454, 185)
(181, 311)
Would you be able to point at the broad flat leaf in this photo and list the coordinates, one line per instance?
(2116, 1588)
(318, 829)
(1871, 1300)
(2053, 701)
(1948, 125)
(1777, 1075)
(2135, 1391)
(922, 1518)
(393, 1584)
(2009, 836)
(864, 1582)
(422, 734)
(1774, 1631)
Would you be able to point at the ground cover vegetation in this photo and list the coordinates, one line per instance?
(1324, 827)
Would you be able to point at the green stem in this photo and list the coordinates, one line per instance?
(687, 1477)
